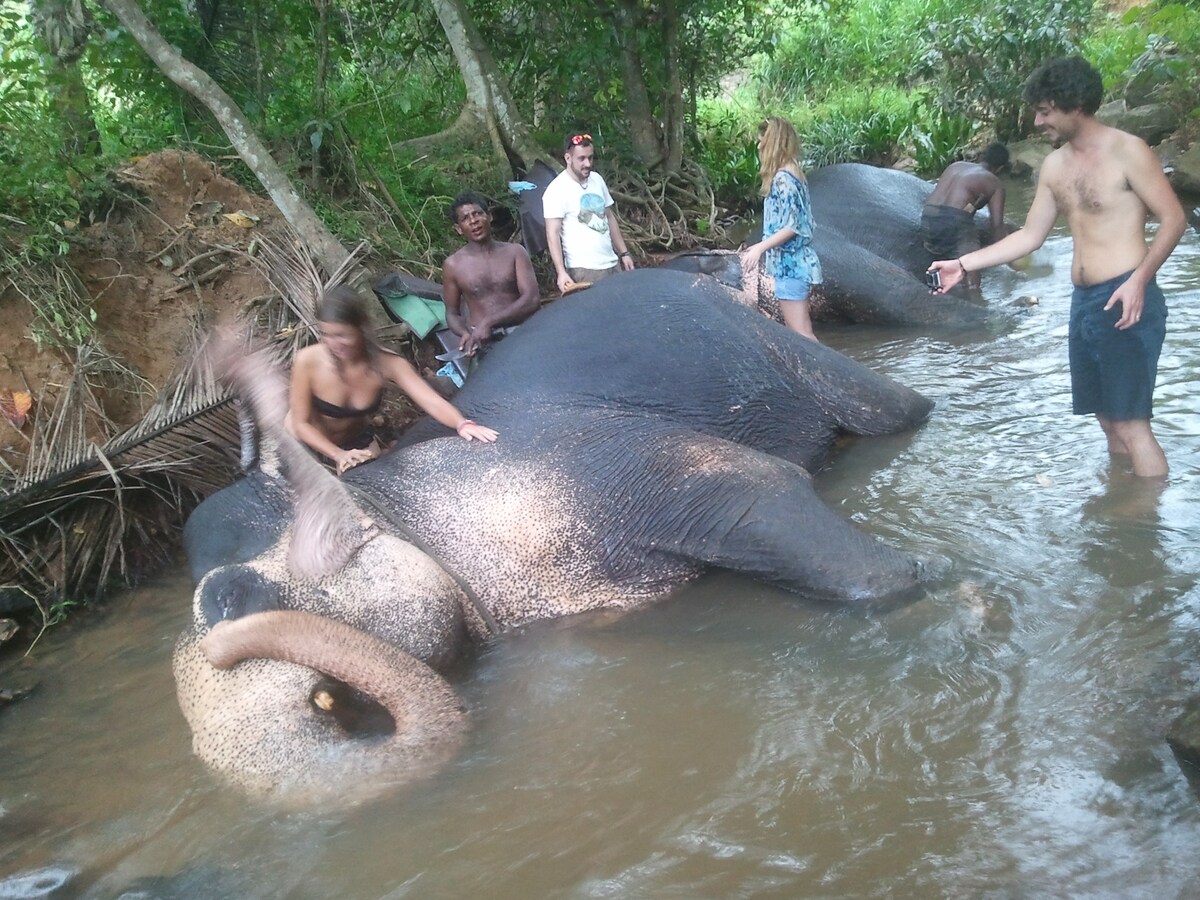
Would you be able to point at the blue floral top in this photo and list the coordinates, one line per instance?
(788, 206)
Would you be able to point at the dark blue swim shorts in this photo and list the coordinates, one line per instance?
(1113, 371)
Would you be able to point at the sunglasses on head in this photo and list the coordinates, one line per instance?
(578, 139)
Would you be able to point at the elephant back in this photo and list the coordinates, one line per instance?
(678, 347)
(873, 207)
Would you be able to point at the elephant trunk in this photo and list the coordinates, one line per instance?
(420, 702)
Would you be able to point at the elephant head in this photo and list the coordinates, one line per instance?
(307, 665)
(291, 703)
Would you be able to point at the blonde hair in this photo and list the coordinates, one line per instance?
(780, 147)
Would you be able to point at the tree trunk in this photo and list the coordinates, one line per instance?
(320, 92)
(325, 247)
(260, 74)
(643, 130)
(487, 89)
(64, 27)
(673, 114)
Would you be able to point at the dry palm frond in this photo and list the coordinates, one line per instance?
(294, 272)
(64, 426)
(62, 308)
(80, 514)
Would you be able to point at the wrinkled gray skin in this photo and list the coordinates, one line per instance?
(650, 428)
(867, 237)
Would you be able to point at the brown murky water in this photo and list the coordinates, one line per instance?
(1002, 737)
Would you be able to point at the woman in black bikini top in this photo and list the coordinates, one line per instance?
(334, 411)
(338, 384)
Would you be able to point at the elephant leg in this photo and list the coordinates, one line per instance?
(756, 514)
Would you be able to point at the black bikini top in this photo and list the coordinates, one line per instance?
(333, 411)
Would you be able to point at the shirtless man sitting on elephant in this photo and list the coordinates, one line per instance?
(948, 219)
(494, 278)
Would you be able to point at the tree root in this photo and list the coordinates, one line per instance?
(668, 211)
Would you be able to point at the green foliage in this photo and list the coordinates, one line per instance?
(862, 79)
(63, 313)
(1158, 44)
(135, 108)
(980, 57)
(825, 47)
(843, 72)
(1113, 46)
(44, 194)
(935, 138)
(863, 125)
(36, 191)
(727, 151)
(52, 613)
(564, 62)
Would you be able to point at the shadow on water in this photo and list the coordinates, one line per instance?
(1002, 736)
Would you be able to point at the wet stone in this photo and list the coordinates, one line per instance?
(48, 882)
(1184, 738)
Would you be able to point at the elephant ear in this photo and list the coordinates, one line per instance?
(328, 529)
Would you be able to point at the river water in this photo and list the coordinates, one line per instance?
(1001, 737)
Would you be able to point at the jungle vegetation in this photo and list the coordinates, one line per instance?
(377, 111)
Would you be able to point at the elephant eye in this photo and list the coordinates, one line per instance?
(228, 601)
(237, 592)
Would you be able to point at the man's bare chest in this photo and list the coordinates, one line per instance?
(1082, 190)
(486, 280)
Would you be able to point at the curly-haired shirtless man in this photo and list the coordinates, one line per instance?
(1106, 182)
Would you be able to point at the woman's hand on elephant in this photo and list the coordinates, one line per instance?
(564, 282)
(348, 459)
(751, 256)
(473, 431)
(950, 271)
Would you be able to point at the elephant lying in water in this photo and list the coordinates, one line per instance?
(867, 237)
(650, 428)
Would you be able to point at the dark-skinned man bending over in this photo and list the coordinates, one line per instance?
(948, 219)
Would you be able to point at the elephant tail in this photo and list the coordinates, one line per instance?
(422, 705)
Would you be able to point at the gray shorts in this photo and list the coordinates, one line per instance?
(948, 232)
(593, 275)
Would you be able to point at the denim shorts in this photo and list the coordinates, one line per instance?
(792, 288)
(1113, 371)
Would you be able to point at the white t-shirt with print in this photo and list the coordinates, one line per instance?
(586, 241)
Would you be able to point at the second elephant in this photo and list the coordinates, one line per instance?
(867, 237)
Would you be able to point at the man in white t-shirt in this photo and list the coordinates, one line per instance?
(581, 225)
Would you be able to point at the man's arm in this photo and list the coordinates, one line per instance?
(618, 239)
(528, 297)
(996, 210)
(452, 297)
(1042, 214)
(554, 245)
(1145, 176)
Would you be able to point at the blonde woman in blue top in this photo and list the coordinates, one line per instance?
(786, 249)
